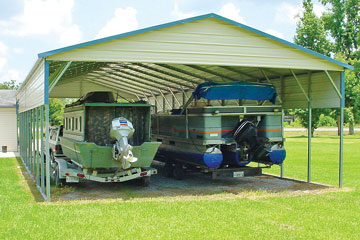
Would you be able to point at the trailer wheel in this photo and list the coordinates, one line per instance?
(178, 172)
(55, 177)
(52, 157)
(145, 181)
(168, 170)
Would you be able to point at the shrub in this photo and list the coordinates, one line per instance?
(327, 121)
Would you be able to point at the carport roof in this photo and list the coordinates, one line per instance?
(210, 15)
(175, 57)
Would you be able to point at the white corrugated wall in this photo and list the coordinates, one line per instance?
(8, 129)
(31, 94)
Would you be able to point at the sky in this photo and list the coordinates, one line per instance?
(29, 27)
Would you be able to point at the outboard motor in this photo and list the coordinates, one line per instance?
(274, 153)
(246, 133)
(121, 130)
(245, 136)
(257, 149)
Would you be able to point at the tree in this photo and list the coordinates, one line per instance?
(303, 116)
(342, 21)
(56, 111)
(10, 85)
(352, 93)
(310, 33)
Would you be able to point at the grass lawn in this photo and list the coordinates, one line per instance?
(314, 216)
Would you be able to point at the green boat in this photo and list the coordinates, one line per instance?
(104, 140)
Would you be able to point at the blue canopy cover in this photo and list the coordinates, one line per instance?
(239, 90)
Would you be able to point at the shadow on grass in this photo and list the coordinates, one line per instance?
(30, 182)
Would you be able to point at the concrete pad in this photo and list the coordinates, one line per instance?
(9, 154)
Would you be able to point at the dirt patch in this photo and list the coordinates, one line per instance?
(195, 186)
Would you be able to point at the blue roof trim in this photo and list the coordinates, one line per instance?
(209, 15)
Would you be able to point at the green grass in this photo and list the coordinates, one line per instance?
(325, 160)
(322, 216)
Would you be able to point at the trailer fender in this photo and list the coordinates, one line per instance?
(63, 166)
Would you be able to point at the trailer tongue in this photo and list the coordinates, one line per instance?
(221, 139)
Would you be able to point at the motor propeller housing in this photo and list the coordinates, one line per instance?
(121, 130)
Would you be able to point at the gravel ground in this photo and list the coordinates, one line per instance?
(194, 184)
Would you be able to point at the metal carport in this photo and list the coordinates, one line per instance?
(163, 64)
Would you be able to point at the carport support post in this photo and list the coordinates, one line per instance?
(282, 120)
(342, 105)
(29, 139)
(47, 174)
(37, 147)
(282, 130)
(309, 129)
(46, 101)
(42, 167)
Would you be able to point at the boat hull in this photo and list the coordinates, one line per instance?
(90, 155)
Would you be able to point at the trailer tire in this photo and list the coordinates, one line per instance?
(168, 170)
(56, 177)
(145, 181)
(52, 157)
(178, 172)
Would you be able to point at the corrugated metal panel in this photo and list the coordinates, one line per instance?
(323, 93)
(208, 41)
(8, 128)
(78, 87)
(31, 94)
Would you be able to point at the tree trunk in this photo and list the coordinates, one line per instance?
(338, 125)
(312, 132)
(351, 128)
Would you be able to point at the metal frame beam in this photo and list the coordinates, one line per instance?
(179, 70)
(309, 127)
(58, 77)
(42, 165)
(103, 81)
(136, 84)
(165, 73)
(146, 73)
(230, 68)
(118, 82)
(107, 86)
(155, 99)
(162, 94)
(137, 76)
(268, 80)
(202, 69)
(341, 144)
(333, 84)
(273, 72)
(137, 79)
(175, 98)
(47, 125)
(299, 83)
